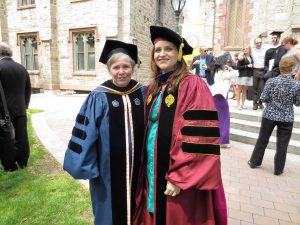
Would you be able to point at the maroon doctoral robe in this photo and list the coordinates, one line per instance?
(187, 153)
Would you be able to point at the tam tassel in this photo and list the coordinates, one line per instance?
(180, 52)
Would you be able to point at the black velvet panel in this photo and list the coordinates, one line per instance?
(137, 105)
(200, 115)
(117, 159)
(79, 133)
(75, 147)
(82, 120)
(165, 126)
(201, 131)
(111, 85)
(207, 149)
(118, 153)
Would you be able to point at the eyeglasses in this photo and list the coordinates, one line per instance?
(204, 50)
(258, 43)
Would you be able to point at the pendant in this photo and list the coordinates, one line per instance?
(149, 99)
(169, 100)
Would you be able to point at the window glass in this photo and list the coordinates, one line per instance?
(29, 53)
(79, 49)
(91, 52)
(84, 51)
(234, 35)
(26, 2)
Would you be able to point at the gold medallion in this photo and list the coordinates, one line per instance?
(169, 100)
(149, 99)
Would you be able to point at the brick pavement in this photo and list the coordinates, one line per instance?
(254, 196)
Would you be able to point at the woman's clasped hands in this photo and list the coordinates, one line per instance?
(172, 189)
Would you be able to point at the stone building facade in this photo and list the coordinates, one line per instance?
(45, 32)
(228, 25)
(60, 41)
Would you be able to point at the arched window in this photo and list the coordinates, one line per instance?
(29, 52)
(84, 51)
(235, 23)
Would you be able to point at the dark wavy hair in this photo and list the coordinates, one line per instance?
(181, 70)
(222, 60)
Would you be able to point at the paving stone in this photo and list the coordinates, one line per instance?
(263, 220)
(252, 209)
(239, 215)
(276, 214)
(247, 190)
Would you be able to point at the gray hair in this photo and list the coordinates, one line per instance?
(202, 47)
(5, 49)
(117, 56)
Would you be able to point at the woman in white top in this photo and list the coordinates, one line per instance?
(223, 73)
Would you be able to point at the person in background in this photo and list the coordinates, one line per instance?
(245, 78)
(223, 72)
(106, 142)
(202, 64)
(180, 180)
(289, 44)
(228, 58)
(17, 88)
(258, 56)
(234, 86)
(273, 56)
(279, 94)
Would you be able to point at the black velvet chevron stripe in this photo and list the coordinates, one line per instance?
(200, 115)
(208, 149)
(75, 147)
(82, 120)
(201, 131)
(79, 133)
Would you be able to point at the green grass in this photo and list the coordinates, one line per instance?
(42, 193)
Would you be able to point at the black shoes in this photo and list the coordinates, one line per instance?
(252, 165)
(22, 165)
(11, 168)
(261, 106)
(277, 173)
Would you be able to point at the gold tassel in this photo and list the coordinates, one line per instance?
(180, 52)
(138, 63)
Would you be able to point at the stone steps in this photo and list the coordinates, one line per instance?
(245, 126)
(254, 127)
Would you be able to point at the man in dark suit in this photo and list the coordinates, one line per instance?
(17, 88)
(203, 64)
(273, 56)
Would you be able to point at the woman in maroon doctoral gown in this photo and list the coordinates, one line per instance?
(180, 180)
